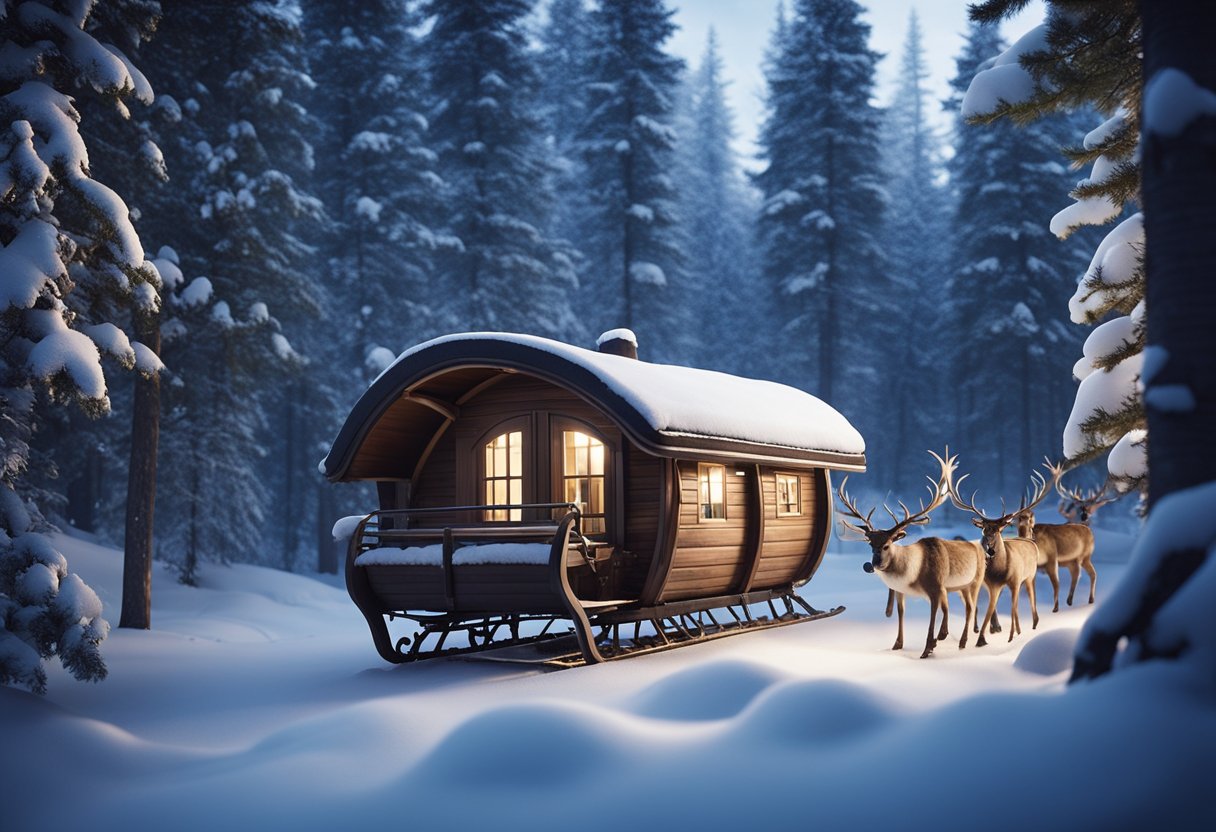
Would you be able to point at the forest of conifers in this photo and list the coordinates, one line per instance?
(320, 184)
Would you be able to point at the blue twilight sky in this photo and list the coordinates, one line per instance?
(744, 26)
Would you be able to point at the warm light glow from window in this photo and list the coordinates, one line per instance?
(505, 475)
(713, 491)
(583, 478)
(789, 502)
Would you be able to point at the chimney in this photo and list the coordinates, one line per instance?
(618, 342)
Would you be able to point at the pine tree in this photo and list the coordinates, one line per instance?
(382, 194)
(489, 138)
(1087, 55)
(1009, 284)
(1162, 612)
(236, 212)
(627, 142)
(914, 237)
(823, 207)
(72, 264)
(717, 210)
(562, 64)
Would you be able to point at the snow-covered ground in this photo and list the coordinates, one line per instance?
(258, 701)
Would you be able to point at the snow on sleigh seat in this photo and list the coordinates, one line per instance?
(524, 482)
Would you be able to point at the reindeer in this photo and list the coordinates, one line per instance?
(1011, 562)
(1071, 543)
(930, 568)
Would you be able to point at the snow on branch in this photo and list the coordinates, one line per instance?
(1005, 82)
(1172, 101)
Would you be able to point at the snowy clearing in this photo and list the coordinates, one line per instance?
(258, 699)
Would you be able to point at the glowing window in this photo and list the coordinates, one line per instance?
(789, 499)
(504, 483)
(713, 491)
(583, 478)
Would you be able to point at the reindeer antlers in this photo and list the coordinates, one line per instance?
(1041, 489)
(1091, 498)
(939, 489)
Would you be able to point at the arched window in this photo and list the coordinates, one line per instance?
(582, 478)
(504, 475)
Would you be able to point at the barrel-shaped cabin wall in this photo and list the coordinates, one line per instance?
(757, 544)
(709, 557)
(789, 537)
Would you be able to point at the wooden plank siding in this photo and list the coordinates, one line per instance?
(710, 556)
(787, 541)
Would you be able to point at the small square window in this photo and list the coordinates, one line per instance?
(712, 490)
(789, 495)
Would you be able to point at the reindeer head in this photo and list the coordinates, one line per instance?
(882, 540)
(1080, 506)
(991, 527)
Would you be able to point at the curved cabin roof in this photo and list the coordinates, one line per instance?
(665, 409)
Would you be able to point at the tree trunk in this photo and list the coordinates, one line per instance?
(1179, 195)
(141, 493)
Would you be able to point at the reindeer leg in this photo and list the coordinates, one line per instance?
(899, 641)
(1074, 570)
(1088, 563)
(1053, 572)
(944, 631)
(890, 601)
(968, 616)
(1034, 603)
(1015, 623)
(996, 618)
(981, 641)
(930, 642)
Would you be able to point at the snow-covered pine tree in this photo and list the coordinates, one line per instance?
(717, 208)
(1010, 280)
(1161, 611)
(383, 200)
(915, 237)
(561, 60)
(242, 219)
(212, 498)
(823, 209)
(383, 197)
(627, 142)
(1087, 54)
(485, 126)
(72, 263)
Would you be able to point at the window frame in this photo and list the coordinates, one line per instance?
(527, 477)
(703, 479)
(558, 426)
(781, 513)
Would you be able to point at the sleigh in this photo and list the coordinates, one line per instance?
(654, 536)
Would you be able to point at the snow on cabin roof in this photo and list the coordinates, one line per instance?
(676, 403)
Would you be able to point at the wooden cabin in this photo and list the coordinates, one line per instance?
(525, 482)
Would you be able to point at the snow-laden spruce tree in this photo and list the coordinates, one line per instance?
(561, 60)
(1010, 280)
(823, 208)
(485, 126)
(239, 159)
(631, 237)
(915, 237)
(1162, 608)
(717, 210)
(211, 494)
(382, 194)
(1086, 54)
(71, 263)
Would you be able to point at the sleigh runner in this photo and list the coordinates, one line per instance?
(671, 501)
